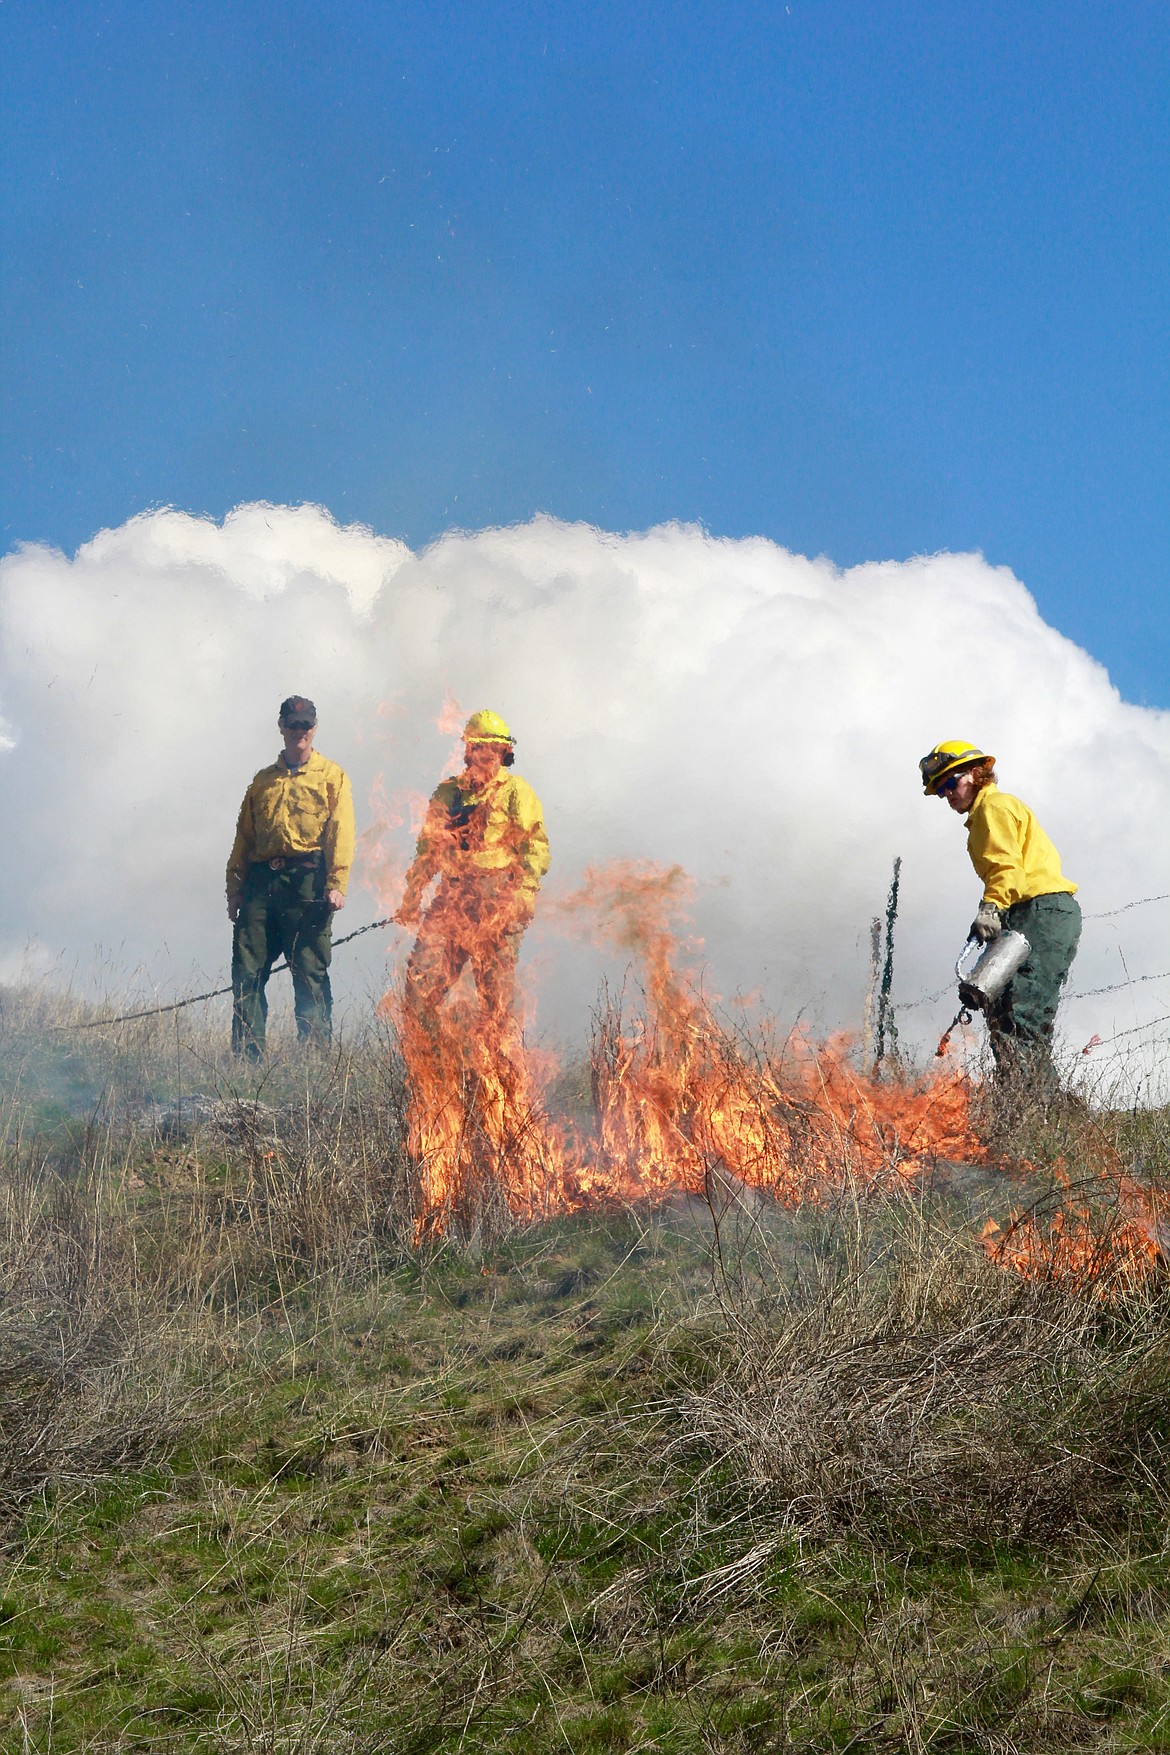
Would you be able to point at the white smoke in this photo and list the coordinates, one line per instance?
(751, 714)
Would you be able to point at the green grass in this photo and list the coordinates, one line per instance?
(424, 1519)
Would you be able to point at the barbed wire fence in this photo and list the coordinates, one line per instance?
(885, 1033)
(1074, 994)
(178, 1005)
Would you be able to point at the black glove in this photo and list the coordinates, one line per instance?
(987, 924)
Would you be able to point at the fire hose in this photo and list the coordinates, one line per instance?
(158, 1011)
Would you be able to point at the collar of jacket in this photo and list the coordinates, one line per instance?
(282, 766)
(470, 791)
(983, 792)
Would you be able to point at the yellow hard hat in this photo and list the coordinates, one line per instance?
(487, 727)
(944, 758)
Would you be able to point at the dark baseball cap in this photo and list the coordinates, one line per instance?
(298, 707)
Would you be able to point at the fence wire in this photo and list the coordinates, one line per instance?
(1141, 902)
(905, 1005)
(177, 1005)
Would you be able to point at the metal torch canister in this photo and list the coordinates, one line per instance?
(985, 980)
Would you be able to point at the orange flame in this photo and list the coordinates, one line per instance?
(475, 1121)
(678, 1094)
(383, 864)
(451, 717)
(1119, 1243)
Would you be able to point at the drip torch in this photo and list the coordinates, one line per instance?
(982, 983)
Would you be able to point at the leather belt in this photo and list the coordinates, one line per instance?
(292, 860)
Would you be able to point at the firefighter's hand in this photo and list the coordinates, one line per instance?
(335, 899)
(233, 905)
(987, 924)
(524, 905)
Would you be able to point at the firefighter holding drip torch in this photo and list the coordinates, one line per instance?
(1024, 890)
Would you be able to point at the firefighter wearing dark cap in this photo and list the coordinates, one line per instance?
(286, 879)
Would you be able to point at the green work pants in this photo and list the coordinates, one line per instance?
(282, 913)
(1020, 1020)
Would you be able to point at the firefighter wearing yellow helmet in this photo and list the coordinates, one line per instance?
(1024, 889)
(483, 838)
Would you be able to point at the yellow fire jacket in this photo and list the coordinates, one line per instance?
(1011, 852)
(500, 828)
(286, 812)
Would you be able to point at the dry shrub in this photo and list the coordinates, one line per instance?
(319, 1178)
(93, 1375)
(132, 1242)
(909, 1391)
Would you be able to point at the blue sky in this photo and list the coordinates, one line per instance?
(871, 280)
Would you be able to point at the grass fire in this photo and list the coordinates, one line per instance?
(704, 1391)
(678, 1096)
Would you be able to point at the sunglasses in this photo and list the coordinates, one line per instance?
(937, 760)
(297, 725)
(951, 781)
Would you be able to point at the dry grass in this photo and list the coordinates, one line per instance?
(138, 1235)
(901, 1390)
(94, 1374)
(685, 1481)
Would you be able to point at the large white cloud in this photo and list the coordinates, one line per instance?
(751, 714)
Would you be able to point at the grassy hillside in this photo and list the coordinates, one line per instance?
(715, 1476)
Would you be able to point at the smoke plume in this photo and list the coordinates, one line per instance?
(747, 713)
